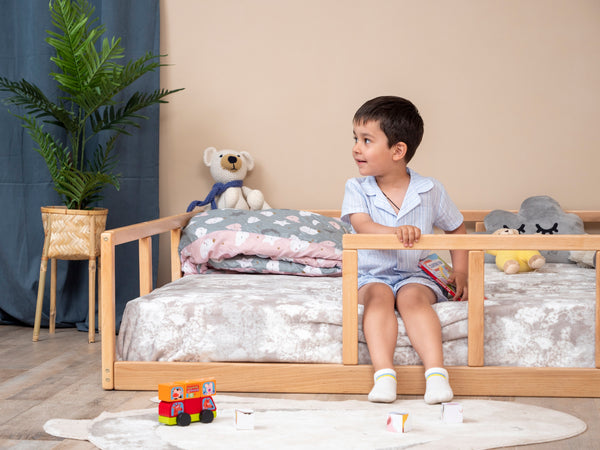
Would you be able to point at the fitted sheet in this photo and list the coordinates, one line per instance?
(536, 319)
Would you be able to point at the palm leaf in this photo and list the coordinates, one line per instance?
(55, 155)
(119, 78)
(35, 103)
(75, 45)
(80, 188)
(116, 119)
(91, 82)
(105, 161)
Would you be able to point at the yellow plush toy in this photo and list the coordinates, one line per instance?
(514, 261)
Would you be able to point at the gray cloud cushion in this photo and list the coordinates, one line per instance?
(542, 215)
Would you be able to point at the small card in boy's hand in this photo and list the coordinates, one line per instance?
(440, 271)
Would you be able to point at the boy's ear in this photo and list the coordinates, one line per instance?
(400, 150)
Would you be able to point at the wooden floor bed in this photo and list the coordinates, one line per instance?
(350, 377)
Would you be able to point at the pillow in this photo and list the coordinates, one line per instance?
(283, 241)
(539, 214)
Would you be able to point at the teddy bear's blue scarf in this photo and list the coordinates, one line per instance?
(217, 189)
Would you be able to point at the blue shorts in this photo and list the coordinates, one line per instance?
(395, 282)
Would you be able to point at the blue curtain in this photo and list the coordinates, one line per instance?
(25, 184)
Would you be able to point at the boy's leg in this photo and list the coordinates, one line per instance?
(380, 327)
(424, 331)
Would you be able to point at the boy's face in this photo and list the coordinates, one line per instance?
(371, 152)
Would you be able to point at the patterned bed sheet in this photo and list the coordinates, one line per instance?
(537, 319)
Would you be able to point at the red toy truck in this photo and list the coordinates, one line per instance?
(184, 402)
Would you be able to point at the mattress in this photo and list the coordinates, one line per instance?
(543, 318)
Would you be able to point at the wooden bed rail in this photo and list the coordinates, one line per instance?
(476, 244)
(142, 232)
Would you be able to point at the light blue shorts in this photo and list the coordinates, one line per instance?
(396, 282)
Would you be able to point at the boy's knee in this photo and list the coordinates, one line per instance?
(375, 293)
(415, 295)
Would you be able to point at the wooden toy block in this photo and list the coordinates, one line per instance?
(179, 390)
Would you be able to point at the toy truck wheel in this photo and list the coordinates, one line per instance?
(206, 416)
(183, 419)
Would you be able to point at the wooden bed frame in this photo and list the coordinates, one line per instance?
(475, 379)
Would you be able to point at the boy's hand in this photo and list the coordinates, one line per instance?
(408, 234)
(459, 279)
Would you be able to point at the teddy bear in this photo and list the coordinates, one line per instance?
(513, 261)
(229, 168)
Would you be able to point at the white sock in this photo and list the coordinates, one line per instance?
(384, 389)
(438, 388)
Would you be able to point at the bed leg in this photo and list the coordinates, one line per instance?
(107, 303)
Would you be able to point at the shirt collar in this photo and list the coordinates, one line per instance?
(418, 185)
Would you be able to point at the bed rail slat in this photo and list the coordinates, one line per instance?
(140, 230)
(175, 260)
(598, 309)
(475, 334)
(476, 242)
(350, 307)
(145, 265)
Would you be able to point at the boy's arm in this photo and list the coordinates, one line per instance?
(460, 267)
(362, 223)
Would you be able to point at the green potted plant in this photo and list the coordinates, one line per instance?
(93, 108)
(90, 81)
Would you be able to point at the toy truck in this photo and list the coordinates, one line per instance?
(184, 402)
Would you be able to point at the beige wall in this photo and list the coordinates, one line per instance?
(508, 89)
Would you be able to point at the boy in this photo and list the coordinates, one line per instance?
(391, 198)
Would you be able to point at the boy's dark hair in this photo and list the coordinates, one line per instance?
(398, 118)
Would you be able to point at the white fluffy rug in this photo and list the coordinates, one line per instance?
(314, 424)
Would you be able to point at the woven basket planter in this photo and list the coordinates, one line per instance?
(73, 233)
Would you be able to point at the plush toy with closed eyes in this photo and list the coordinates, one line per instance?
(538, 215)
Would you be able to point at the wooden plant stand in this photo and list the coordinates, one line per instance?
(69, 234)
